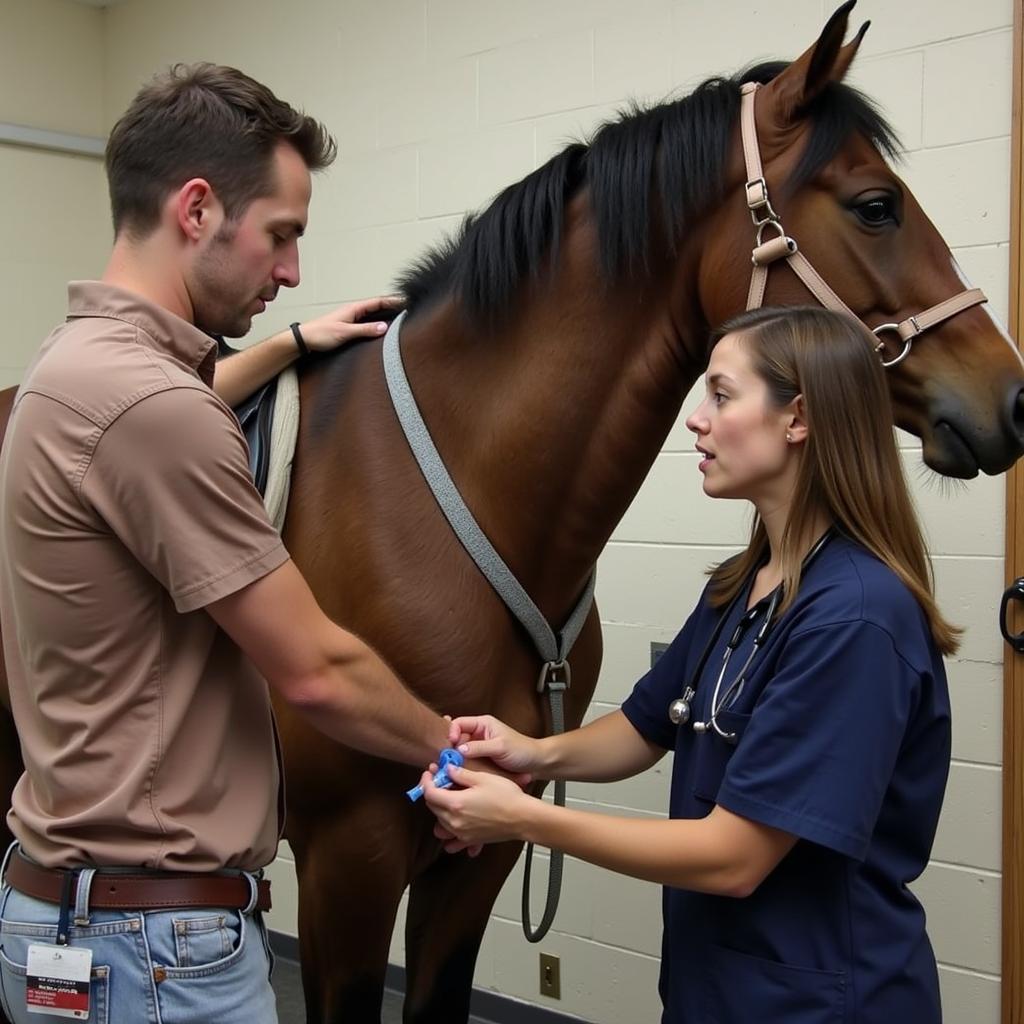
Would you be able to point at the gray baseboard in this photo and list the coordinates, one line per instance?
(490, 1006)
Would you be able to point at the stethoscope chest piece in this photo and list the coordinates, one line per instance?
(679, 709)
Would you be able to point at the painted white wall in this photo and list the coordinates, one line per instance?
(437, 104)
(53, 207)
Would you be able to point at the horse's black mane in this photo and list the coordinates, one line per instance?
(671, 155)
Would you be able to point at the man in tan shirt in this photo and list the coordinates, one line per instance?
(147, 601)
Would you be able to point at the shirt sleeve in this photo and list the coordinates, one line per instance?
(646, 707)
(170, 477)
(820, 749)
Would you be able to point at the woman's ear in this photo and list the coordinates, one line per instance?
(796, 421)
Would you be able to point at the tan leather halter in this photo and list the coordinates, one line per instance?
(782, 247)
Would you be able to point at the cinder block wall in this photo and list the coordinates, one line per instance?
(53, 207)
(437, 104)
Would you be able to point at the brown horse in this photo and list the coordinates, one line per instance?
(550, 348)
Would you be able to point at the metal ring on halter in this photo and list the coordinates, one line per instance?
(879, 347)
(777, 224)
(549, 673)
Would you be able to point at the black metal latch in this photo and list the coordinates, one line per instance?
(1014, 592)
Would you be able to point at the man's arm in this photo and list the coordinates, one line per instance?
(239, 375)
(330, 676)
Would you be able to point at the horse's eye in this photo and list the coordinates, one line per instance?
(876, 210)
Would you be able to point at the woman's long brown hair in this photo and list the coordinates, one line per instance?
(850, 467)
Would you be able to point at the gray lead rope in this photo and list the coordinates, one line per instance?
(556, 688)
(553, 650)
(473, 539)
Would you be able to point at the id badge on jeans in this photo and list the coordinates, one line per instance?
(57, 981)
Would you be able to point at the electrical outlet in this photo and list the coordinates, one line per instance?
(657, 650)
(550, 976)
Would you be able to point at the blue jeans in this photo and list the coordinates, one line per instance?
(188, 966)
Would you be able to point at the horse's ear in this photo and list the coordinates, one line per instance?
(826, 61)
(847, 53)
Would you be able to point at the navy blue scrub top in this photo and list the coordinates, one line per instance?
(843, 741)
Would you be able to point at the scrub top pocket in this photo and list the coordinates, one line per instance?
(742, 988)
(712, 754)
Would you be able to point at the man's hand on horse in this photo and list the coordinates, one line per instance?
(342, 325)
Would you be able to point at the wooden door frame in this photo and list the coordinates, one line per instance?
(1013, 665)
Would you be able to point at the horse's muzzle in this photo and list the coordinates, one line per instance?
(961, 444)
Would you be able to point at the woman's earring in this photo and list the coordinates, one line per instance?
(789, 436)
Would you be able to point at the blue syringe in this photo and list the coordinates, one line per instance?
(447, 756)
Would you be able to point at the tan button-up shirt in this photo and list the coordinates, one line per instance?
(126, 506)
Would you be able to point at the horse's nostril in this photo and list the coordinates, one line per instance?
(1017, 415)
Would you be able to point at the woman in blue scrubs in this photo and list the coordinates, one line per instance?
(805, 702)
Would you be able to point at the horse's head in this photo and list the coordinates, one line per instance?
(960, 387)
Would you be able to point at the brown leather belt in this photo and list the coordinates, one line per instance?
(114, 891)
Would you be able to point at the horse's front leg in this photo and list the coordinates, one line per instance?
(449, 905)
(352, 873)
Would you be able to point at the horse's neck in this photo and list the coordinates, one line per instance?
(548, 427)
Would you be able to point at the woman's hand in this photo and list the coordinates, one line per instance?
(484, 808)
(484, 736)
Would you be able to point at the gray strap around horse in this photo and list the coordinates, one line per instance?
(554, 650)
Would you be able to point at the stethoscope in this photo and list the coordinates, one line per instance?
(681, 709)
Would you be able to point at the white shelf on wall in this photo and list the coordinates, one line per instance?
(58, 142)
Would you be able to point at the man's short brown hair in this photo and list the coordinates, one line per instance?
(203, 121)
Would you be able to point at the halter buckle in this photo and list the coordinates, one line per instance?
(757, 199)
(554, 675)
